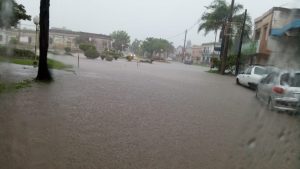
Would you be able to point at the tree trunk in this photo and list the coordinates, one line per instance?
(43, 72)
(227, 38)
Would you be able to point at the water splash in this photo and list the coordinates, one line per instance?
(285, 49)
(6, 12)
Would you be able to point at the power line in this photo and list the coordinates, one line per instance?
(177, 35)
(184, 32)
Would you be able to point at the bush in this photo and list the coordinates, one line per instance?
(23, 53)
(19, 53)
(91, 53)
(215, 62)
(13, 41)
(85, 46)
(129, 58)
(108, 58)
(102, 56)
(68, 50)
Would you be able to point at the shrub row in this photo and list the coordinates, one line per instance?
(19, 53)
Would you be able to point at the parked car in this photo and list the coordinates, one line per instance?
(188, 61)
(251, 76)
(146, 61)
(281, 91)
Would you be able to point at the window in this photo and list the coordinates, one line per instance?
(288, 80)
(248, 71)
(296, 80)
(269, 79)
(285, 79)
(1, 38)
(260, 71)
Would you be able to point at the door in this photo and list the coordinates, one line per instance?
(247, 76)
(266, 86)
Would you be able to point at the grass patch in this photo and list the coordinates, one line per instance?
(15, 86)
(53, 64)
(21, 61)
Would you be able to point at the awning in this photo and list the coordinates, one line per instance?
(295, 24)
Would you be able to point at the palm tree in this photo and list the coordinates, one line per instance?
(43, 72)
(217, 15)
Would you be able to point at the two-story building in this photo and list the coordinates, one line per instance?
(197, 54)
(277, 35)
(209, 51)
(59, 39)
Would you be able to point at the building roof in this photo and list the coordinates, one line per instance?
(269, 12)
(70, 32)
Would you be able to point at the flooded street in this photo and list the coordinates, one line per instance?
(116, 115)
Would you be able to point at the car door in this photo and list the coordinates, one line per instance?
(247, 76)
(242, 77)
(266, 88)
(257, 74)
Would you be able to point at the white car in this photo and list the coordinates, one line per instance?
(251, 76)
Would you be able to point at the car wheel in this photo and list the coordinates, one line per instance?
(238, 81)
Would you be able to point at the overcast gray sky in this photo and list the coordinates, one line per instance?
(140, 18)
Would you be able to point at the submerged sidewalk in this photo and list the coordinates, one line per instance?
(12, 73)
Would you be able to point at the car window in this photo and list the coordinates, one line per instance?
(248, 72)
(296, 80)
(260, 71)
(285, 79)
(269, 79)
(289, 80)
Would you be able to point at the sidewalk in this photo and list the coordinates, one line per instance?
(12, 73)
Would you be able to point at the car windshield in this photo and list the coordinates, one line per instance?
(260, 71)
(297, 80)
(292, 80)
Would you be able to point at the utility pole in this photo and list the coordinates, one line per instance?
(237, 66)
(184, 45)
(227, 38)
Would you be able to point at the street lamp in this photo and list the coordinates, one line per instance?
(36, 21)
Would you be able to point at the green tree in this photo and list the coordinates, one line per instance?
(11, 13)
(67, 49)
(155, 45)
(91, 53)
(216, 17)
(43, 71)
(136, 47)
(121, 40)
(89, 50)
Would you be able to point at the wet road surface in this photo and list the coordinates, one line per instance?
(115, 115)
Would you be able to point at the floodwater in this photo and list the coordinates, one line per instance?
(165, 116)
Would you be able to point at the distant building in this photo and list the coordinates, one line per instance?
(179, 53)
(209, 51)
(276, 33)
(197, 52)
(59, 39)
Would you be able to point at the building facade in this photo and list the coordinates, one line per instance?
(197, 54)
(277, 33)
(59, 39)
(209, 51)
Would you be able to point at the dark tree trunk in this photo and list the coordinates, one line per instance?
(43, 72)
